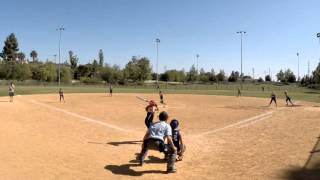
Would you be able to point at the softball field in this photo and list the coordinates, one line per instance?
(93, 136)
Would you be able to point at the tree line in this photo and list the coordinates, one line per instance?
(15, 65)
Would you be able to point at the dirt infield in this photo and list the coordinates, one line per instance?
(93, 136)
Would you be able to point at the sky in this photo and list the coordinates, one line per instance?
(276, 31)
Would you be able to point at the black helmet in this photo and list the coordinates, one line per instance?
(174, 124)
(163, 116)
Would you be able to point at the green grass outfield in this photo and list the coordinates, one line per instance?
(250, 90)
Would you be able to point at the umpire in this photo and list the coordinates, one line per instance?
(154, 140)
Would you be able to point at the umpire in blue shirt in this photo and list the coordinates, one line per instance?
(155, 138)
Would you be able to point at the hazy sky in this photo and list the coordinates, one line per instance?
(276, 31)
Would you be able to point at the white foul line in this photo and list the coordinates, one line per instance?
(81, 117)
(254, 118)
(260, 119)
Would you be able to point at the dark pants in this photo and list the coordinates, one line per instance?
(288, 100)
(159, 145)
(149, 119)
(273, 100)
(61, 98)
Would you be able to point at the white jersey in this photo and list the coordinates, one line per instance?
(159, 130)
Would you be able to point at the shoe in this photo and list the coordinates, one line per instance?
(140, 162)
(171, 170)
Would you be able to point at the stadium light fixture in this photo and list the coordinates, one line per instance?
(60, 29)
(298, 66)
(157, 42)
(241, 74)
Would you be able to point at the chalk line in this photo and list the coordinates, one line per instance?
(84, 118)
(242, 122)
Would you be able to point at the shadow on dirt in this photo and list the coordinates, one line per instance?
(311, 169)
(124, 143)
(125, 169)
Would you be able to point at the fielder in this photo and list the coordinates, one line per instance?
(161, 97)
(11, 91)
(288, 98)
(110, 90)
(273, 98)
(239, 92)
(61, 95)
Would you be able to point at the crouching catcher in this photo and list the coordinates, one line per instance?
(155, 138)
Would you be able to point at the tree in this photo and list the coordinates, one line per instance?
(21, 56)
(95, 68)
(286, 77)
(34, 55)
(192, 74)
(234, 76)
(73, 59)
(289, 76)
(221, 76)
(280, 76)
(316, 74)
(260, 79)
(65, 74)
(101, 58)
(213, 77)
(138, 69)
(268, 78)
(10, 49)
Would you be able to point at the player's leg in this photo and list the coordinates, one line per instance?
(172, 156)
(149, 144)
(144, 152)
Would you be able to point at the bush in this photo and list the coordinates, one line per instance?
(65, 75)
(88, 80)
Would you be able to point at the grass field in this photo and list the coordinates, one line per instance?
(93, 136)
(250, 90)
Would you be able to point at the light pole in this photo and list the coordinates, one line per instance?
(60, 29)
(298, 67)
(157, 42)
(318, 36)
(241, 34)
(197, 63)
